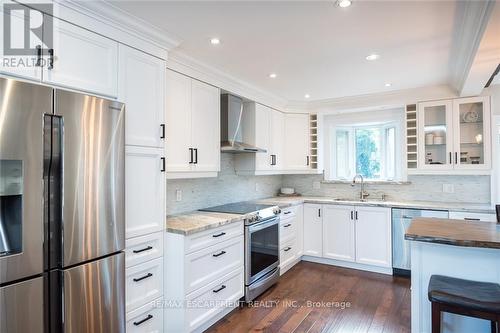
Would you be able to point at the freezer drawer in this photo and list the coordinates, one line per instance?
(94, 296)
(21, 307)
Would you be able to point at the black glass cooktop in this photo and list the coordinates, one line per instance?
(237, 208)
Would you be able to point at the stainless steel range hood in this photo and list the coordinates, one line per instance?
(232, 127)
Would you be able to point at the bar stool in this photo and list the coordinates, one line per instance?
(464, 297)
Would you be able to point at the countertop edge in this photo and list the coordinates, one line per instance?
(453, 242)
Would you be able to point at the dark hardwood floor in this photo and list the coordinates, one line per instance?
(378, 303)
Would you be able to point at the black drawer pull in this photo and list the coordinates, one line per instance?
(286, 213)
(143, 277)
(144, 249)
(219, 254)
(221, 288)
(162, 135)
(471, 219)
(218, 235)
(137, 323)
(287, 249)
(287, 225)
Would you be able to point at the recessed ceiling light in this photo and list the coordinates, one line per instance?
(272, 75)
(215, 41)
(388, 84)
(307, 96)
(344, 3)
(372, 57)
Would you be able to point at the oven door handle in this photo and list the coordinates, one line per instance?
(263, 224)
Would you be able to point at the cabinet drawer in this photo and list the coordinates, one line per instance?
(144, 283)
(212, 263)
(208, 302)
(288, 229)
(473, 216)
(288, 212)
(288, 252)
(146, 319)
(211, 237)
(143, 248)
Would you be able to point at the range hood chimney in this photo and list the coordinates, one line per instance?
(232, 126)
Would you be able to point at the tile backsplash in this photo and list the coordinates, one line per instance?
(467, 189)
(226, 188)
(229, 187)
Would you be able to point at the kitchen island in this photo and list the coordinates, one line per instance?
(462, 249)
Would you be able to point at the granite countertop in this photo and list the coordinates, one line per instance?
(193, 222)
(284, 202)
(455, 232)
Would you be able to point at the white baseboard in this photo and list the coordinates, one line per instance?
(346, 264)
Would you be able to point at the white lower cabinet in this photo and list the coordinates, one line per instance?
(143, 248)
(146, 319)
(313, 230)
(203, 275)
(353, 234)
(291, 243)
(143, 283)
(339, 232)
(473, 216)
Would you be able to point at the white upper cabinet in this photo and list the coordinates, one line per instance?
(192, 127)
(205, 126)
(313, 230)
(262, 140)
(297, 141)
(339, 232)
(471, 129)
(373, 236)
(142, 89)
(277, 140)
(82, 60)
(455, 135)
(24, 66)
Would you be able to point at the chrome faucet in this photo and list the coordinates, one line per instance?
(362, 193)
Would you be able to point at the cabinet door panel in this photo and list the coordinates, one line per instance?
(472, 139)
(83, 60)
(296, 141)
(373, 236)
(178, 122)
(262, 137)
(142, 88)
(277, 137)
(205, 120)
(145, 187)
(16, 64)
(339, 233)
(435, 135)
(313, 230)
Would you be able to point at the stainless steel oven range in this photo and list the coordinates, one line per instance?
(261, 245)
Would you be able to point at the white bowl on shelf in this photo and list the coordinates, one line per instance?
(287, 190)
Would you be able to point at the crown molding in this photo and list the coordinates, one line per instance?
(112, 16)
(471, 23)
(187, 65)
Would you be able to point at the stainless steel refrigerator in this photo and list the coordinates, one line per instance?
(62, 265)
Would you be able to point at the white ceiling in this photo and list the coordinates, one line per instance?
(313, 46)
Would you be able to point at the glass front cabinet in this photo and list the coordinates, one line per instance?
(454, 134)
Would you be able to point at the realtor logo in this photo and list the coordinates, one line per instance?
(25, 27)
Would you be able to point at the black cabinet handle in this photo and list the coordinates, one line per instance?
(221, 288)
(456, 158)
(272, 159)
(451, 160)
(218, 235)
(191, 151)
(471, 219)
(143, 277)
(356, 215)
(352, 215)
(219, 254)
(287, 225)
(319, 212)
(162, 136)
(38, 56)
(50, 65)
(196, 156)
(287, 249)
(162, 164)
(144, 249)
(288, 212)
(137, 323)
(307, 160)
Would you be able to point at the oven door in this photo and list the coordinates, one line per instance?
(262, 249)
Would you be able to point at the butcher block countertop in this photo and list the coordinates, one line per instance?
(455, 232)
